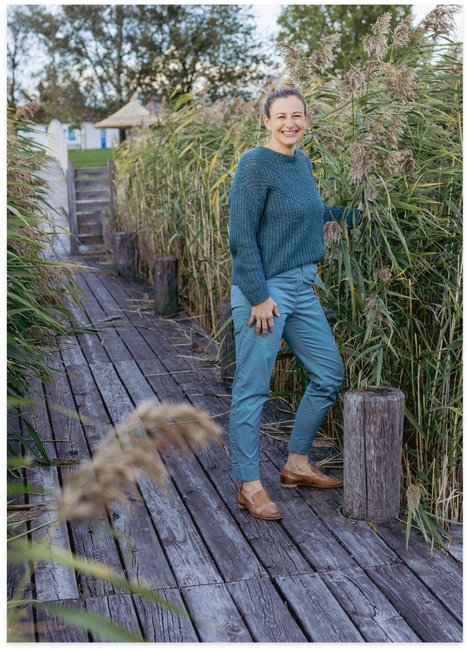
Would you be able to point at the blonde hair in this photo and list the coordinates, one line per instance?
(283, 87)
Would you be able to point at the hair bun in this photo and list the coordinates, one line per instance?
(285, 82)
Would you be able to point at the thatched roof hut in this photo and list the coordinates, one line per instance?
(131, 115)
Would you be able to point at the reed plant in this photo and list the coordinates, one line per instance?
(38, 283)
(389, 134)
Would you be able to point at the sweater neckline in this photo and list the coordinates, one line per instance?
(271, 153)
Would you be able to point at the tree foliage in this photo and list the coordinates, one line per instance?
(306, 25)
(99, 56)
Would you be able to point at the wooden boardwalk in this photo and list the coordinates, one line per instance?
(313, 576)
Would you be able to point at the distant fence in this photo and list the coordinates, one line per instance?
(56, 144)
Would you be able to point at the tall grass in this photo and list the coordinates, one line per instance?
(37, 284)
(389, 134)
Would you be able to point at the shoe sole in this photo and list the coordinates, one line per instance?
(264, 518)
(306, 484)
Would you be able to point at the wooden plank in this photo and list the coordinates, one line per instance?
(265, 614)
(90, 344)
(72, 208)
(437, 570)
(185, 550)
(131, 336)
(140, 549)
(52, 580)
(321, 617)
(89, 404)
(98, 183)
(87, 225)
(91, 173)
(90, 239)
(109, 338)
(70, 351)
(421, 610)
(162, 625)
(52, 629)
(120, 609)
(92, 195)
(217, 619)
(372, 614)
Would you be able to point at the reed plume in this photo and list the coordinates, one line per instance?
(125, 453)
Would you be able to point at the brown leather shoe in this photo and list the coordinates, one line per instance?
(318, 479)
(260, 505)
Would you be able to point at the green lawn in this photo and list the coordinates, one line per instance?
(90, 158)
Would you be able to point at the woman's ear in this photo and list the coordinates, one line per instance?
(266, 121)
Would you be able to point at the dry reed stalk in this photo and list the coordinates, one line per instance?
(124, 454)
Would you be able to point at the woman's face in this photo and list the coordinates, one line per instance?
(286, 124)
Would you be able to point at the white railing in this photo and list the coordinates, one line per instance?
(56, 144)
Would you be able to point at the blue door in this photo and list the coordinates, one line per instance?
(103, 139)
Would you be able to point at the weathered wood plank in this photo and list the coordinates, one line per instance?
(120, 609)
(91, 173)
(217, 619)
(162, 625)
(130, 335)
(52, 580)
(185, 550)
(91, 194)
(265, 614)
(321, 617)
(141, 551)
(89, 404)
(373, 615)
(90, 344)
(98, 183)
(436, 569)
(421, 610)
(52, 629)
(109, 338)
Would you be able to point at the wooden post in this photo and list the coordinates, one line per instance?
(373, 440)
(124, 253)
(227, 358)
(165, 280)
(72, 208)
(109, 224)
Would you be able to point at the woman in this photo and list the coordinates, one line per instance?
(276, 240)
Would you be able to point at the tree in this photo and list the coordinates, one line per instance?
(305, 25)
(17, 48)
(113, 52)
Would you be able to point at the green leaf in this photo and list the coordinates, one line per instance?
(94, 623)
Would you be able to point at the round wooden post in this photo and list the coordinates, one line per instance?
(165, 280)
(373, 440)
(227, 359)
(124, 253)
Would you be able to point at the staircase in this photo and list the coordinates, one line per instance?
(91, 194)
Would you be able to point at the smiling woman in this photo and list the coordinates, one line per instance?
(276, 241)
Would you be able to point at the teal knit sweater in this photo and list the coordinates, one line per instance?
(276, 218)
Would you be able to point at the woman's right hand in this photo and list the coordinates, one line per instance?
(262, 314)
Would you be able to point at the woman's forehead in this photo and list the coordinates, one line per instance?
(290, 103)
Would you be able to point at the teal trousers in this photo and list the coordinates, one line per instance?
(303, 325)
